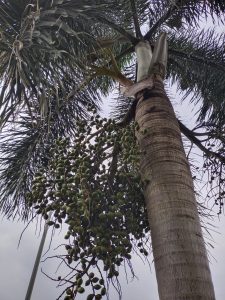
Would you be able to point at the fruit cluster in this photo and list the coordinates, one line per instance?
(92, 184)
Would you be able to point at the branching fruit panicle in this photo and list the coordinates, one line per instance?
(82, 187)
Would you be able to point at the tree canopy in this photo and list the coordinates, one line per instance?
(58, 60)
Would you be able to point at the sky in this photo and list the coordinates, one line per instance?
(17, 263)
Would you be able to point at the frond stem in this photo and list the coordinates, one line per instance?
(197, 59)
(135, 19)
(161, 20)
(119, 29)
(189, 134)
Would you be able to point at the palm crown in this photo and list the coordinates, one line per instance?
(56, 56)
(59, 58)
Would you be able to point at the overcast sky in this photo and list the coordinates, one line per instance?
(16, 264)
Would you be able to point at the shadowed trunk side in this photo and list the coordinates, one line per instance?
(179, 251)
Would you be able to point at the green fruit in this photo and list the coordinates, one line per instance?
(102, 216)
(97, 287)
(79, 281)
(68, 247)
(50, 223)
(68, 210)
(69, 259)
(145, 253)
(106, 268)
(117, 262)
(91, 275)
(81, 290)
(103, 291)
(87, 282)
(90, 296)
(69, 292)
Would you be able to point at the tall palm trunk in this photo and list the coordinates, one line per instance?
(180, 257)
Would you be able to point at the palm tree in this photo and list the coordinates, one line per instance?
(59, 56)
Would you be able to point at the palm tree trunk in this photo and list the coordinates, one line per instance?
(180, 257)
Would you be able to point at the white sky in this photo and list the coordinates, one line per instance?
(16, 264)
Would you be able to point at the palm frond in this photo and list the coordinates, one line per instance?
(197, 63)
(39, 47)
(180, 13)
(48, 50)
(26, 140)
(120, 103)
(19, 149)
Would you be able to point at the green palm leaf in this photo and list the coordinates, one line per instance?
(48, 50)
(39, 48)
(197, 63)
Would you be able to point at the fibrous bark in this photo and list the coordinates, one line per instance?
(179, 251)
